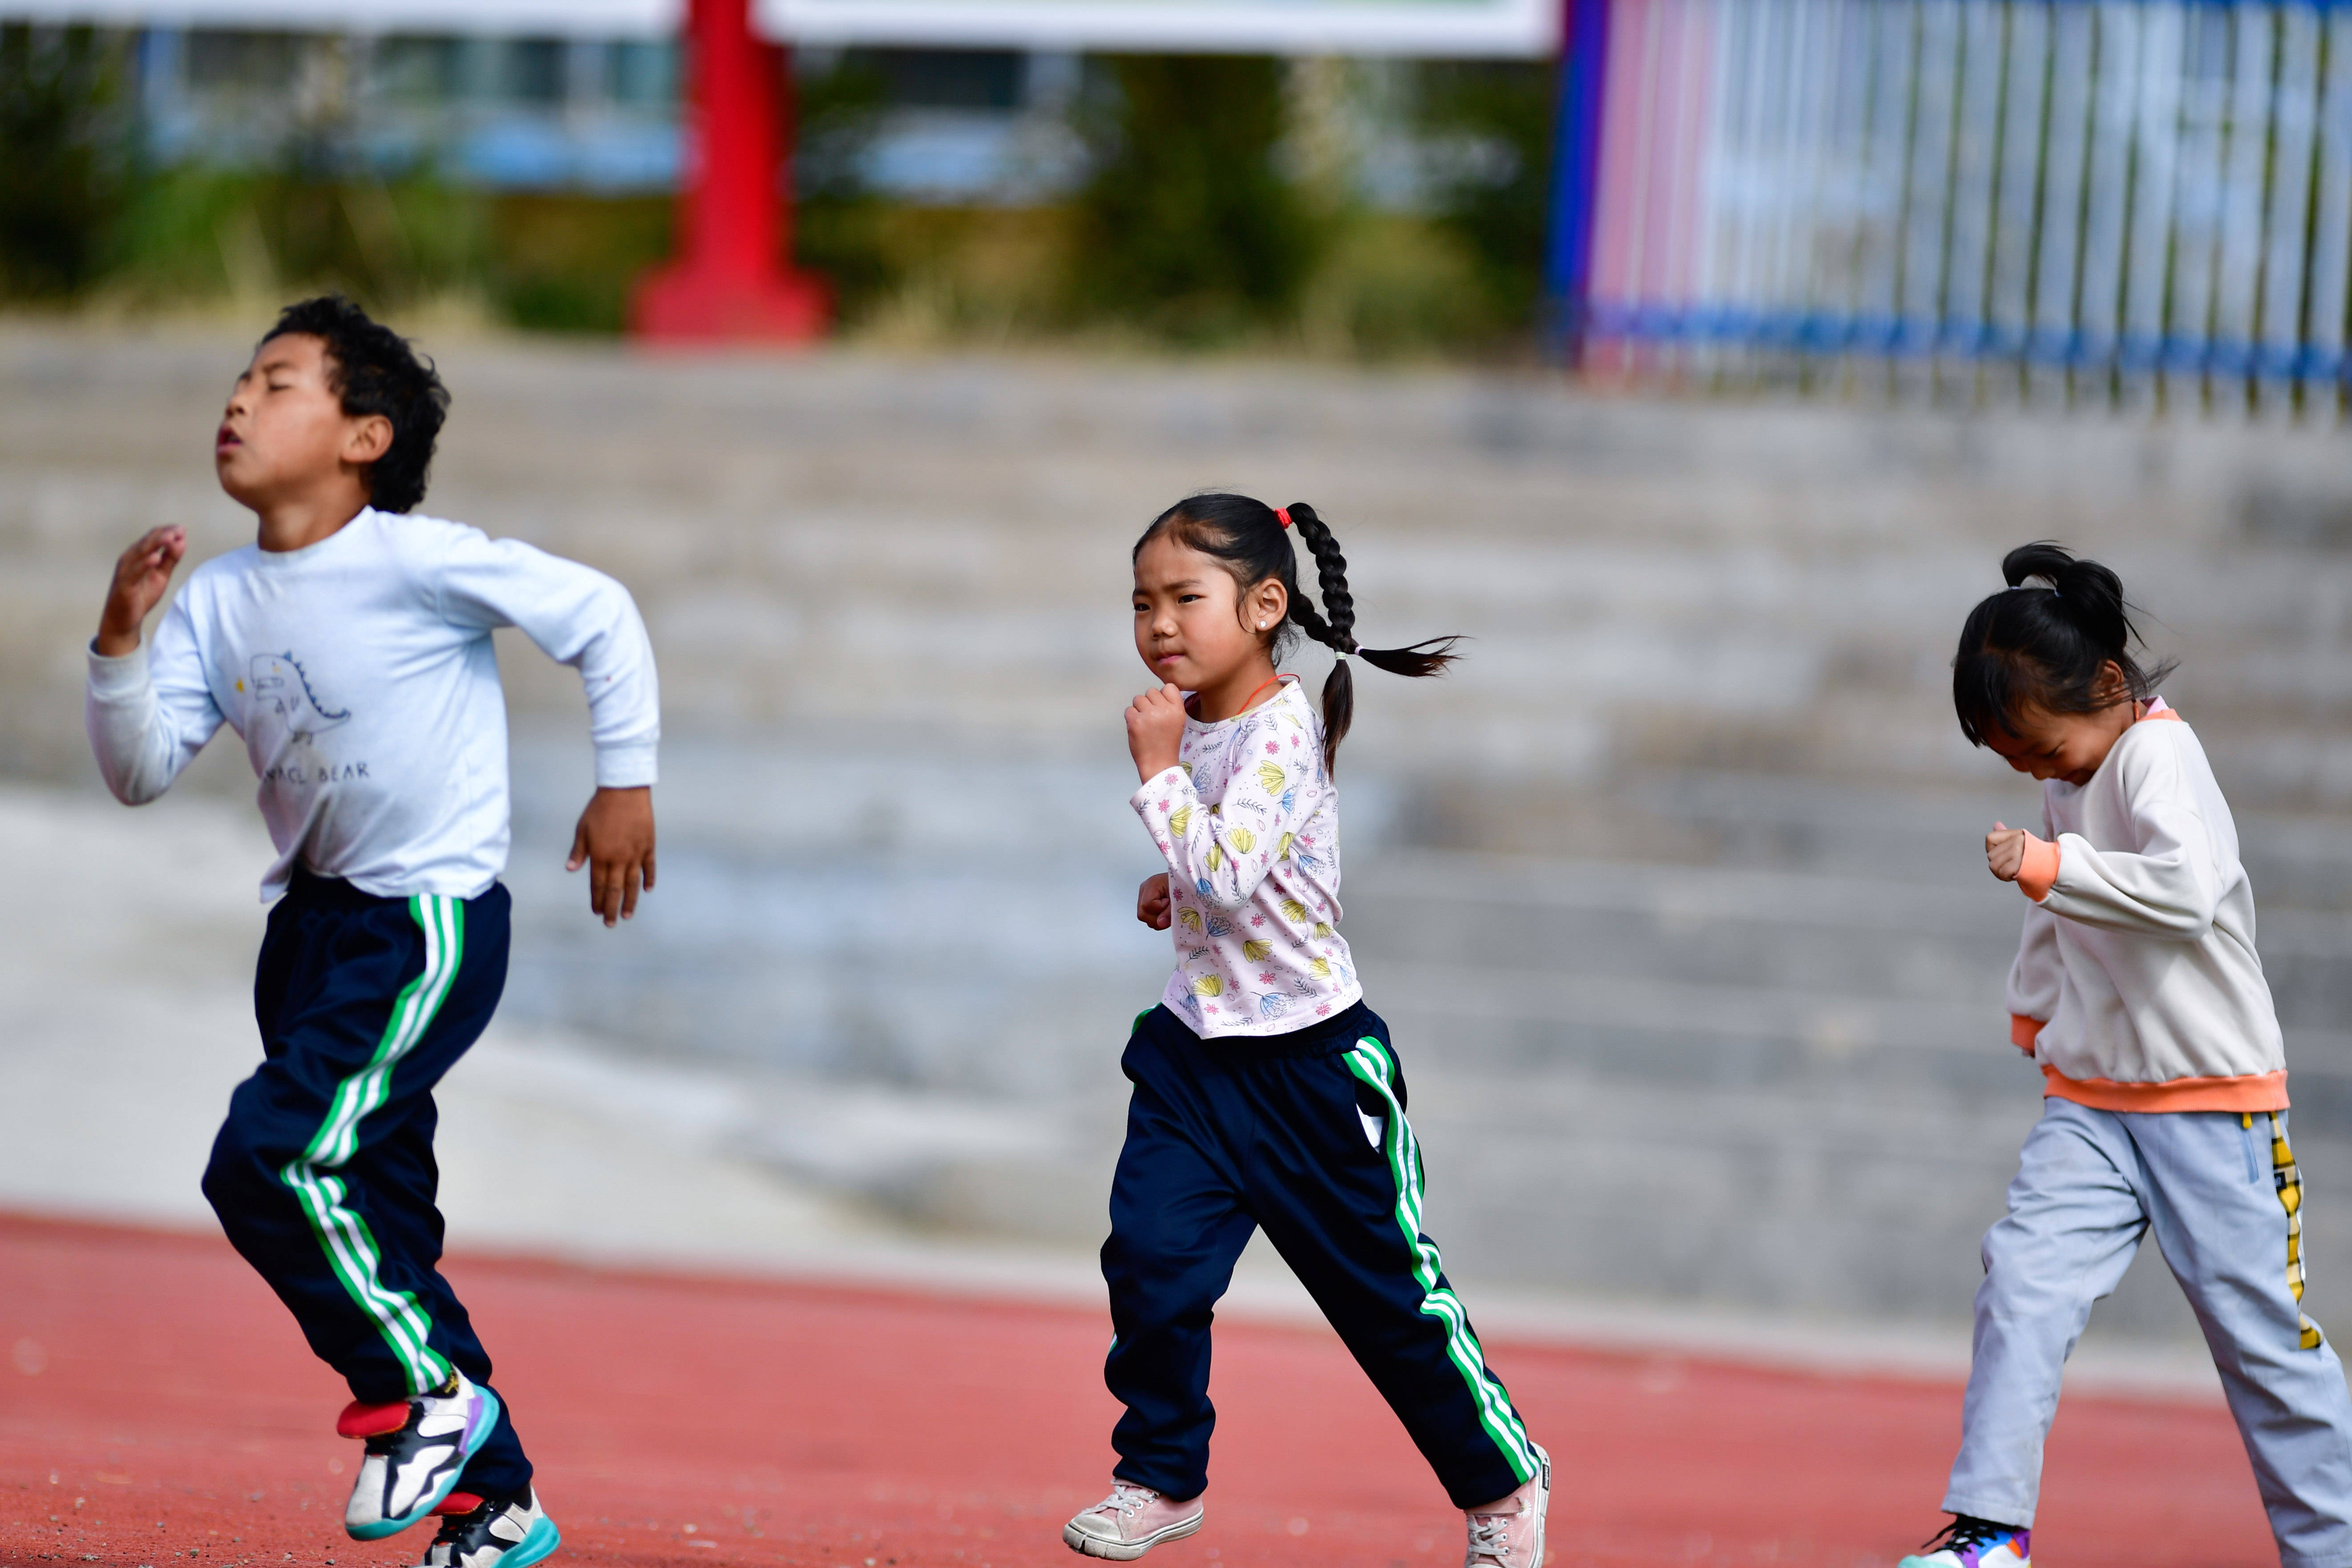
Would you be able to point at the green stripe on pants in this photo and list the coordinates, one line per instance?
(343, 1235)
(1371, 1064)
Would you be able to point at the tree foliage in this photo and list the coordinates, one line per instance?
(67, 170)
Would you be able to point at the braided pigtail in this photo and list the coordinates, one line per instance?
(1335, 628)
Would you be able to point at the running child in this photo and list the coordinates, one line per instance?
(350, 647)
(1266, 1093)
(2138, 990)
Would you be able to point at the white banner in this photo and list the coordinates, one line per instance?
(1470, 28)
(534, 18)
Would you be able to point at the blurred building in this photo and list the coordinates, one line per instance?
(519, 112)
(587, 113)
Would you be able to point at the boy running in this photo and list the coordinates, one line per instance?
(349, 647)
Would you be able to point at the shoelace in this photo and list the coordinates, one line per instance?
(1127, 1498)
(1490, 1536)
(1963, 1532)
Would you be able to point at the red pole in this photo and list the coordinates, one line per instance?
(726, 284)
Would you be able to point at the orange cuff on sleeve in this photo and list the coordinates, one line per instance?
(2039, 874)
(2023, 1031)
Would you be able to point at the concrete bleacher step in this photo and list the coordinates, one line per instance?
(1672, 889)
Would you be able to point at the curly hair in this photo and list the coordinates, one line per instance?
(375, 371)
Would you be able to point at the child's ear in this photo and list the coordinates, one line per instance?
(367, 439)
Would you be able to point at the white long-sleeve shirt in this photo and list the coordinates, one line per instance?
(361, 674)
(1248, 821)
(2136, 984)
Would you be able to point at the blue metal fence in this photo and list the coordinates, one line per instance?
(2122, 199)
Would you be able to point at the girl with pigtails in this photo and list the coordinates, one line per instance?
(1267, 1095)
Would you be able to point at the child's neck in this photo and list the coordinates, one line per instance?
(298, 525)
(1238, 693)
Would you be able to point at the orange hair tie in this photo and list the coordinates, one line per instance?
(1282, 516)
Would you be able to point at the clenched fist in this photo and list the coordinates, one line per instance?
(2005, 851)
(1155, 731)
(1153, 906)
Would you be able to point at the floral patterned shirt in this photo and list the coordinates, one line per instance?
(1249, 824)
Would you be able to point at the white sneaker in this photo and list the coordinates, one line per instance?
(415, 1452)
(1509, 1533)
(1968, 1542)
(492, 1534)
(1129, 1522)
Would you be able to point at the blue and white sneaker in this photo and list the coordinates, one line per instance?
(493, 1533)
(1969, 1542)
(415, 1452)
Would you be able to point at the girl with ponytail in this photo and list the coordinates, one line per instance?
(2137, 992)
(1266, 1093)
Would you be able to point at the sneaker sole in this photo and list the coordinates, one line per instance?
(1543, 1508)
(1078, 1541)
(491, 1410)
(542, 1538)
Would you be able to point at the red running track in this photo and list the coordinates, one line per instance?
(157, 1403)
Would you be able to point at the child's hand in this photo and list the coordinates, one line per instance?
(2005, 851)
(1155, 731)
(1151, 902)
(616, 841)
(139, 578)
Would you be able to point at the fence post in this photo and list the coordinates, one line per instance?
(1575, 175)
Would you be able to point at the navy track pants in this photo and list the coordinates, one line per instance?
(1305, 1135)
(324, 1174)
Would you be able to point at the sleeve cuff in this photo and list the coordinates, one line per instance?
(2039, 874)
(632, 766)
(117, 677)
(2023, 1031)
(1157, 788)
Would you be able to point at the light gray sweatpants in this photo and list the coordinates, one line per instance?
(2225, 1201)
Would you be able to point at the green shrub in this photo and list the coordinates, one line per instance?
(1393, 284)
(841, 228)
(192, 234)
(565, 263)
(1490, 123)
(1187, 227)
(67, 165)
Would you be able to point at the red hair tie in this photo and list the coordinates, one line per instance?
(1282, 516)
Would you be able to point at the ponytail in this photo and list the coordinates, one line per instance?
(1249, 536)
(2047, 649)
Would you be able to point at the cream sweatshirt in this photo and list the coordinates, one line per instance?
(2137, 986)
